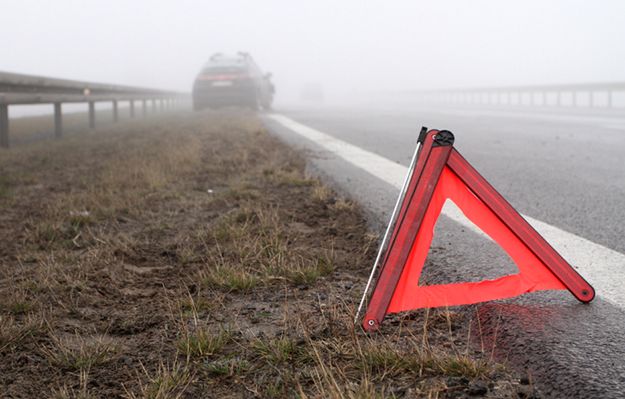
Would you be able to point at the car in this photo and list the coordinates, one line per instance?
(232, 80)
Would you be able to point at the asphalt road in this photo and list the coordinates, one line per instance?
(565, 169)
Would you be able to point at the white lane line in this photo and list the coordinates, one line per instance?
(603, 267)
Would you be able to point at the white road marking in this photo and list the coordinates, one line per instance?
(603, 267)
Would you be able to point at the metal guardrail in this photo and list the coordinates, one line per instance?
(552, 95)
(18, 89)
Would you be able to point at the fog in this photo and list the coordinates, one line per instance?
(348, 47)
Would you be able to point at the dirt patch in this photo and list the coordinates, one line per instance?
(189, 256)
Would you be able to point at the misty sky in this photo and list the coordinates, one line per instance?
(348, 45)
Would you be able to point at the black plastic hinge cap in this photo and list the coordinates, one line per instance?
(443, 138)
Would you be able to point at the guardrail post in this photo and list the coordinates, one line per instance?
(115, 111)
(91, 114)
(574, 99)
(558, 98)
(131, 104)
(154, 105)
(591, 99)
(144, 110)
(58, 120)
(609, 98)
(4, 125)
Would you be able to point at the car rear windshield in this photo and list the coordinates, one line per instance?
(224, 69)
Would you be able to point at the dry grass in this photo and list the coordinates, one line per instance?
(252, 247)
(191, 257)
(13, 332)
(167, 382)
(82, 392)
(79, 352)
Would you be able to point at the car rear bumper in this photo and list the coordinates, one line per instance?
(222, 97)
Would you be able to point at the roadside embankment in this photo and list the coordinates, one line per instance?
(190, 256)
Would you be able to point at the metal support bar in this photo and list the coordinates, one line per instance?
(609, 98)
(154, 105)
(91, 115)
(389, 228)
(4, 125)
(58, 120)
(131, 103)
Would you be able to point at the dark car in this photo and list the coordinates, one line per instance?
(232, 81)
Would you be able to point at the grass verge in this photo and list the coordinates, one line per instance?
(190, 256)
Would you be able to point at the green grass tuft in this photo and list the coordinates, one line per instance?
(203, 343)
(229, 279)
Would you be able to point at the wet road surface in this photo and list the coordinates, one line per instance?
(565, 170)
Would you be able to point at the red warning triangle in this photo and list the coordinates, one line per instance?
(440, 173)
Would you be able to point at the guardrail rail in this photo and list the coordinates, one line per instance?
(18, 89)
(558, 95)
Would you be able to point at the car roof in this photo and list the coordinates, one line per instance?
(218, 59)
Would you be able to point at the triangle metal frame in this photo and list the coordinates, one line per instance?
(437, 152)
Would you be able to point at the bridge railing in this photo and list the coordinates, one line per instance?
(591, 95)
(18, 89)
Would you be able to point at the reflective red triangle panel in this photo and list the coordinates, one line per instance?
(441, 174)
